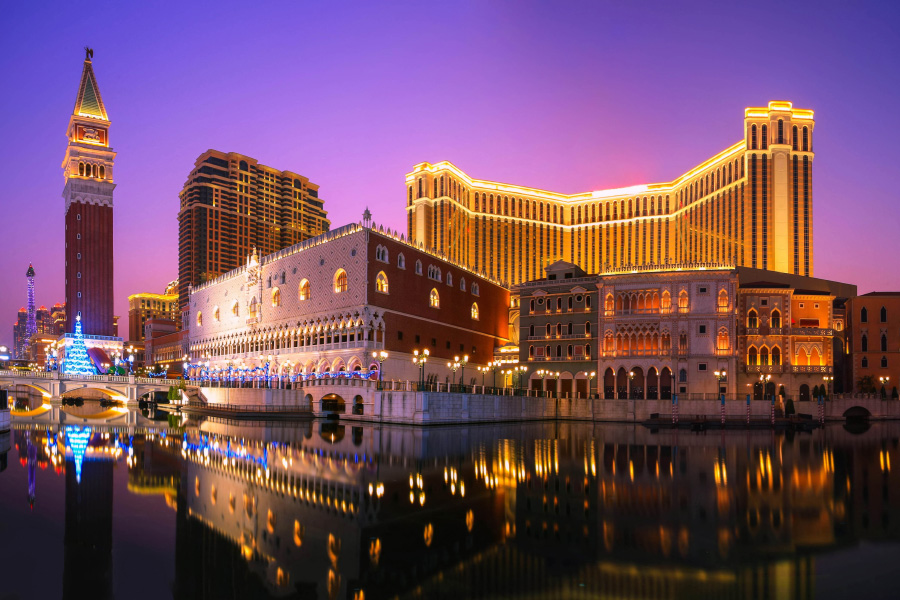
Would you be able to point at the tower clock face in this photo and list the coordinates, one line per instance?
(90, 135)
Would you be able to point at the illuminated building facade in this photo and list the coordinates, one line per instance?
(749, 205)
(143, 307)
(331, 303)
(231, 204)
(651, 333)
(49, 323)
(88, 170)
(874, 342)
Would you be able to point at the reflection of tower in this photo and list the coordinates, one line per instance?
(30, 323)
(88, 169)
(31, 460)
(87, 570)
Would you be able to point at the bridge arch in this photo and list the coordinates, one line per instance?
(857, 412)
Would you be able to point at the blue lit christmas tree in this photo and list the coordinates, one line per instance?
(77, 360)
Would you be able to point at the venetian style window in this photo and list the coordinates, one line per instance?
(216, 314)
(381, 283)
(474, 311)
(434, 299)
(199, 319)
(304, 289)
(340, 281)
(276, 297)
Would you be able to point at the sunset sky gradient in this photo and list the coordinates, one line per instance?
(564, 96)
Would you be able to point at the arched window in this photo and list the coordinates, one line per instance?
(776, 355)
(340, 281)
(216, 313)
(304, 289)
(474, 289)
(570, 329)
(243, 166)
(587, 351)
(559, 304)
(401, 261)
(752, 319)
(587, 302)
(775, 319)
(865, 362)
(102, 172)
(548, 329)
(81, 169)
(474, 311)
(752, 356)
(283, 277)
(883, 315)
(764, 356)
(254, 307)
(570, 303)
(531, 306)
(682, 300)
(864, 343)
(864, 315)
(462, 285)
(682, 376)
(418, 267)
(610, 303)
(722, 339)
(449, 278)
(199, 319)
(794, 138)
(381, 283)
(531, 330)
(780, 131)
(723, 300)
(587, 329)
(434, 299)
(806, 139)
(276, 297)
(764, 137)
(884, 362)
(753, 137)
(666, 302)
(530, 351)
(883, 343)
(235, 309)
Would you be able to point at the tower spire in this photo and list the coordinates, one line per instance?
(89, 103)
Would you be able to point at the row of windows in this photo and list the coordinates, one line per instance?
(864, 343)
(570, 329)
(91, 170)
(434, 272)
(570, 302)
(763, 131)
(864, 315)
(865, 362)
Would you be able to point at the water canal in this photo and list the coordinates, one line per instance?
(210, 509)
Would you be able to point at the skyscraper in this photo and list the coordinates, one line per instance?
(749, 205)
(231, 204)
(88, 170)
(30, 324)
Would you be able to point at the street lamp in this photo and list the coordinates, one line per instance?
(381, 357)
(630, 380)
(521, 370)
(720, 377)
(591, 376)
(453, 366)
(828, 379)
(419, 360)
(883, 381)
(483, 371)
(462, 368)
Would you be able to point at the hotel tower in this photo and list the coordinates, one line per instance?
(88, 170)
(749, 205)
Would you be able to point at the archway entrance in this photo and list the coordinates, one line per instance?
(332, 403)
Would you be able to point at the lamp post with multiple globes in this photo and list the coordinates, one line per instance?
(419, 359)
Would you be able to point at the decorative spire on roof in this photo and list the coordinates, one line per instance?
(89, 103)
(30, 271)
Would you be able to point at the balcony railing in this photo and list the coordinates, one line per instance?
(810, 369)
(764, 368)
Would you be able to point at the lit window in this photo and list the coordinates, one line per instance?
(475, 289)
(340, 281)
(381, 283)
(216, 313)
(276, 297)
(474, 311)
(199, 319)
(434, 299)
(304, 289)
(235, 309)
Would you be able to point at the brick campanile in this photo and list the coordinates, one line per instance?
(88, 170)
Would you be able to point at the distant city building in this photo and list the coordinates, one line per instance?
(30, 325)
(165, 345)
(230, 204)
(651, 333)
(20, 338)
(88, 170)
(749, 205)
(329, 304)
(874, 341)
(145, 306)
(47, 323)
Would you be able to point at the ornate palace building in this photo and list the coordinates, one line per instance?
(749, 205)
(331, 303)
(648, 333)
(88, 170)
(230, 204)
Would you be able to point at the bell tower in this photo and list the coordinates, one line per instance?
(88, 171)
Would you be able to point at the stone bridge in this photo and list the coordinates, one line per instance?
(54, 386)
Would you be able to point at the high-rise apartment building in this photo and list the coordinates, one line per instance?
(749, 205)
(231, 204)
(143, 307)
(88, 170)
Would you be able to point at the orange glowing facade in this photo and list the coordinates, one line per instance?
(749, 205)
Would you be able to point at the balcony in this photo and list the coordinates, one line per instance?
(810, 369)
(764, 368)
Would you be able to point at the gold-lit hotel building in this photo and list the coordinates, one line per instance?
(749, 205)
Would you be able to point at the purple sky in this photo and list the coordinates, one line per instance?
(569, 97)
